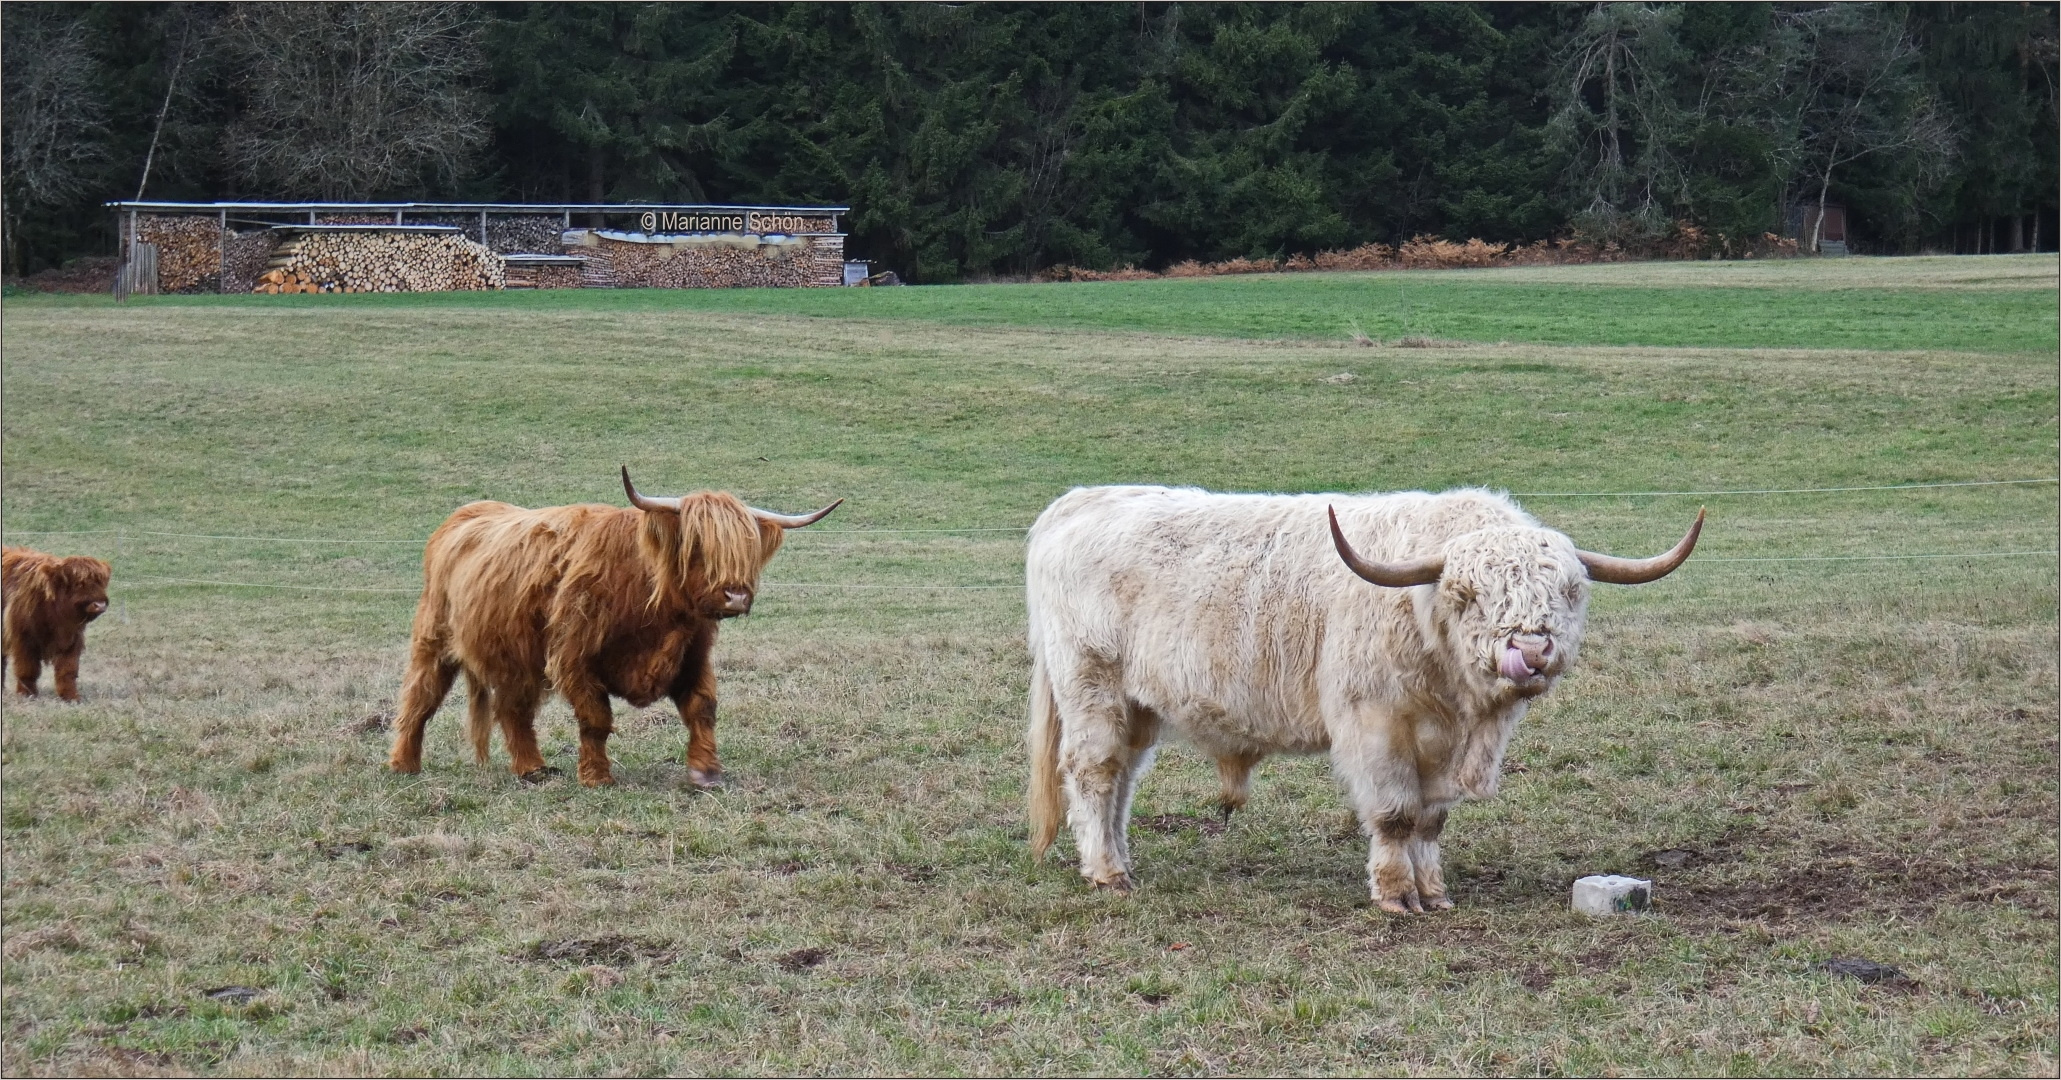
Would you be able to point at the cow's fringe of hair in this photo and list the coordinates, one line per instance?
(713, 528)
(1047, 804)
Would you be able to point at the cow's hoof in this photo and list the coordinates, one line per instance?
(539, 775)
(410, 768)
(1121, 885)
(1441, 902)
(706, 781)
(1407, 904)
(597, 781)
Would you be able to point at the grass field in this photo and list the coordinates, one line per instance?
(1853, 757)
(1922, 303)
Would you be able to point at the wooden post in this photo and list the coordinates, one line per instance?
(222, 254)
(483, 228)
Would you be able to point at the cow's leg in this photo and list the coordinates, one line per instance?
(514, 705)
(479, 715)
(67, 670)
(1143, 744)
(697, 706)
(28, 667)
(1234, 776)
(589, 701)
(1424, 858)
(1381, 777)
(1094, 760)
(423, 688)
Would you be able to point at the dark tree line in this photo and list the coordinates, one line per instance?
(1000, 138)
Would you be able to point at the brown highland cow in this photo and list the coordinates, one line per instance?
(589, 600)
(49, 601)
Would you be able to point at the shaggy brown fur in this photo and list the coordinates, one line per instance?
(588, 600)
(49, 601)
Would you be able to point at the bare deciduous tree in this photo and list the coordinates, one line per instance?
(356, 100)
(187, 31)
(1852, 89)
(1616, 119)
(54, 118)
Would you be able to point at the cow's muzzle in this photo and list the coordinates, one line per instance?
(1529, 660)
(735, 602)
(94, 609)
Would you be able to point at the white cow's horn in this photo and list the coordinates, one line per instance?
(794, 521)
(1395, 575)
(645, 502)
(1616, 571)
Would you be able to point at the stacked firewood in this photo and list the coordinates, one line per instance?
(535, 234)
(380, 262)
(721, 265)
(189, 248)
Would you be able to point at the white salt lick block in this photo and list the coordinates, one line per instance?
(1609, 894)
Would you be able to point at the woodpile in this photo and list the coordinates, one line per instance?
(367, 252)
(526, 233)
(722, 262)
(243, 258)
(379, 261)
(532, 271)
(188, 246)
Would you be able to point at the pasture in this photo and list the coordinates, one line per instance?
(1814, 750)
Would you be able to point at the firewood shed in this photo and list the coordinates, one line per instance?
(269, 247)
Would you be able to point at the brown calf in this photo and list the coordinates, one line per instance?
(49, 600)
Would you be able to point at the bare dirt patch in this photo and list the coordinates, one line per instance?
(1169, 824)
(612, 950)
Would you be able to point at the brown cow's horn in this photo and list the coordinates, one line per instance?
(646, 502)
(794, 521)
(1616, 571)
(1396, 575)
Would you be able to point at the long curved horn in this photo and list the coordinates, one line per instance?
(1616, 571)
(794, 521)
(1396, 575)
(645, 502)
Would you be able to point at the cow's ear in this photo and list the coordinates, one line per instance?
(770, 536)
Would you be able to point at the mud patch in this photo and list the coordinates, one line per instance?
(1671, 858)
(1168, 824)
(380, 719)
(1867, 971)
(232, 995)
(1842, 887)
(802, 959)
(614, 950)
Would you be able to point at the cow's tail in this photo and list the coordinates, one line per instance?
(1047, 798)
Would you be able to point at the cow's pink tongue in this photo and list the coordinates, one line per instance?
(1513, 666)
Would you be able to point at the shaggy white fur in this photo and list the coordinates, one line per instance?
(1232, 619)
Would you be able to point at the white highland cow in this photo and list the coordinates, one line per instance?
(1238, 621)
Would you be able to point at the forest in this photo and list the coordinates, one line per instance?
(981, 141)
